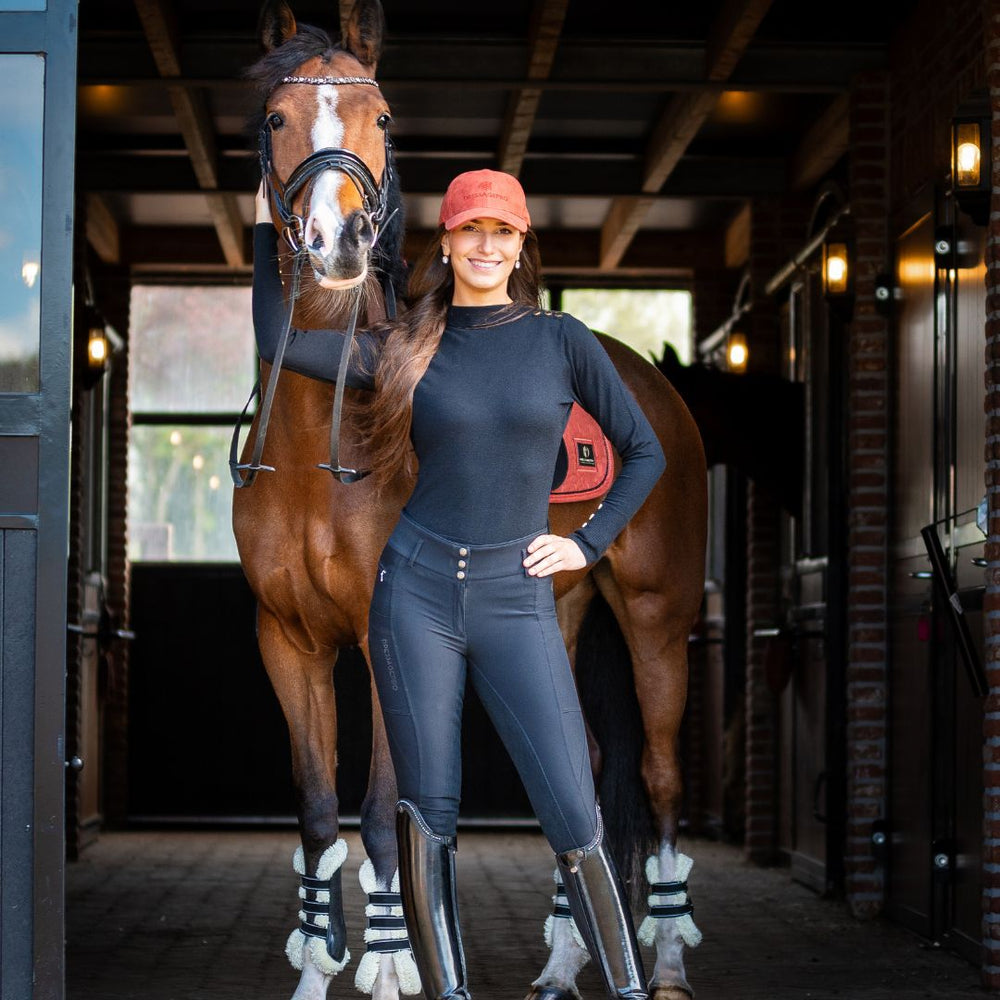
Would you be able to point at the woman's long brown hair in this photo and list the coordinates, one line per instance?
(410, 344)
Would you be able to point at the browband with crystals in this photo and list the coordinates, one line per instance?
(332, 81)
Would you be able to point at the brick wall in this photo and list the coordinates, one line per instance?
(868, 485)
(777, 229)
(991, 605)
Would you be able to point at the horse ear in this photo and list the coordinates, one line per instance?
(363, 31)
(276, 24)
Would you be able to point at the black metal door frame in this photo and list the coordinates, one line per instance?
(35, 431)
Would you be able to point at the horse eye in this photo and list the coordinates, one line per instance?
(275, 121)
(384, 121)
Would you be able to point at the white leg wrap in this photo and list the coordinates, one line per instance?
(560, 901)
(685, 923)
(368, 967)
(329, 863)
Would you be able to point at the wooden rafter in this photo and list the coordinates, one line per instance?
(731, 33)
(522, 107)
(102, 230)
(822, 145)
(195, 124)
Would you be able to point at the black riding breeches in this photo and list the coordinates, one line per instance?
(444, 610)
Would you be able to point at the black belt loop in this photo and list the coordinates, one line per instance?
(416, 551)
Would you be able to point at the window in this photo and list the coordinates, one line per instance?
(645, 319)
(192, 366)
(21, 99)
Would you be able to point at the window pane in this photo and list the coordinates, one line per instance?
(180, 494)
(22, 4)
(192, 349)
(21, 109)
(645, 320)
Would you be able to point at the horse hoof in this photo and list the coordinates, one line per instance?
(670, 991)
(551, 993)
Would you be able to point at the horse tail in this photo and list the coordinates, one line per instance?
(607, 695)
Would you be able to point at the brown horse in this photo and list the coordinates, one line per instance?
(309, 543)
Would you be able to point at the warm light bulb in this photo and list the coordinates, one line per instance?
(836, 268)
(737, 353)
(97, 347)
(967, 154)
(175, 438)
(214, 483)
(198, 462)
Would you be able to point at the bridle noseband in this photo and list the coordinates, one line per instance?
(375, 201)
(374, 196)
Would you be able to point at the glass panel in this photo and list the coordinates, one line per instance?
(192, 349)
(22, 4)
(180, 494)
(645, 320)
(22, 80)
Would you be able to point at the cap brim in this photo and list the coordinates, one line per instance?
(521, 225)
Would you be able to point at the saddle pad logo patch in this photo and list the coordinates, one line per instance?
(585, 454)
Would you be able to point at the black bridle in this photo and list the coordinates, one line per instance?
(375, 201)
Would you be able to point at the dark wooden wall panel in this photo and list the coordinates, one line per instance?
(17, 712)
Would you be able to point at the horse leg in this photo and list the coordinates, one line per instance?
(656, 624)
(568, 953)
(303, 682)
(383, 974)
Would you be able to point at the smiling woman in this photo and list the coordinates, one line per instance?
(21, 83)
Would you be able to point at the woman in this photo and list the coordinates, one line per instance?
(480, 381)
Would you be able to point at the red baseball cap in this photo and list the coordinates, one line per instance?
(485, 194)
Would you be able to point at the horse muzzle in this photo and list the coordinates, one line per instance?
(338, 252)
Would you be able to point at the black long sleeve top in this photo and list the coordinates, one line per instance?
(489, 413)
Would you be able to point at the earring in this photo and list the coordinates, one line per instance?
(517, 263)
(444, 258)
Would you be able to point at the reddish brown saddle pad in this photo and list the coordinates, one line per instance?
(586, 458)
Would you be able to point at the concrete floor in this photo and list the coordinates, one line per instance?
(177, 915)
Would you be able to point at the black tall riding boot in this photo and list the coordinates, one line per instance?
(430, 904)
(601, 911)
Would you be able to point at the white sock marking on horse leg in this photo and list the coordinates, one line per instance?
(313, 983)
(568, 957)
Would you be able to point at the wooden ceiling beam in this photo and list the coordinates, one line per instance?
(101, 229)
(729, 37)
(822, 145)
(547, 19)
(195, 124)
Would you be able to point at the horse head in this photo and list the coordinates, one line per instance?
(325, 152)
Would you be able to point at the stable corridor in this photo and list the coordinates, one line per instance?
(182, 915)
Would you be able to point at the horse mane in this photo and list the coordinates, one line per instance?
(266, 74)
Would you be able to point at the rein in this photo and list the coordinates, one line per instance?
(374, 198)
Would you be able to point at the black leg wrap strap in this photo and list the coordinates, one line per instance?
(335, 933)
(560, 904)
(667, 888)
(676, 910)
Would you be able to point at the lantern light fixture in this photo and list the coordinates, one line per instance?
(737, 352)
(836, 269)
(971, 168)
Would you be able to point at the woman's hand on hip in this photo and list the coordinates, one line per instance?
(549, 554)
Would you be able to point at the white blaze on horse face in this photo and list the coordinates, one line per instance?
(324, 225)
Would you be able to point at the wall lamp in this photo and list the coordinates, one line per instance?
(971, 166)
(737, 352)
(837, 276)
(102, 342)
